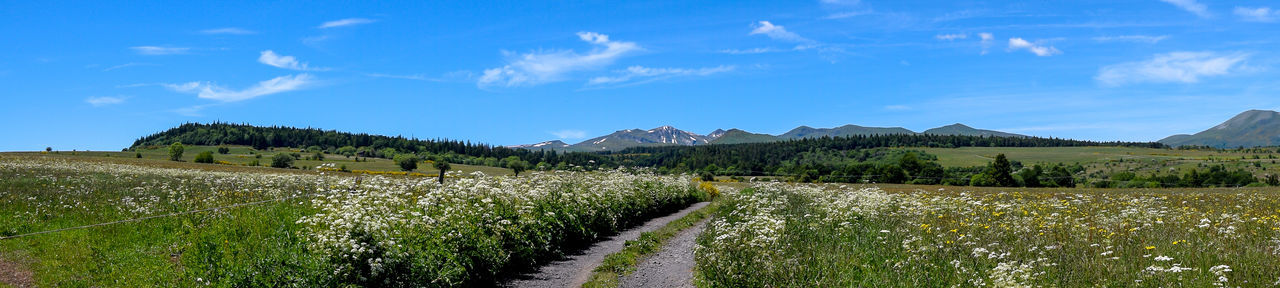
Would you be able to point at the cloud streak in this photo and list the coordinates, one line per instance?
(645, 74)
(1132, 38)
(1191, 6)
(211, 91)
(287, 62)
(951, 37)
(777, 32)
(1259, 14)
(1179, 67)
(543, 67)
(1040, 50)
(103, 101)
(345, 22)
(159, 50)
(228, 31)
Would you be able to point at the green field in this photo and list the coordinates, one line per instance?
(1106, 160)
(242, 155)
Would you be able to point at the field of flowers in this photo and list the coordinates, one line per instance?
(314, 229)
(783, 235)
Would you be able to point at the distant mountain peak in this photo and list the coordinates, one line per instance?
(1251, 128)
(716, 134)
(965, 130)
(622, 139)
(557, 144)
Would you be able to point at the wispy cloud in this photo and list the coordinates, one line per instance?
(988, 40)
(127, 65)
(1040, 50)
(1183, 67)
(345, 22)
(570, 134)
(228, 31)
(750, 51)
(951, 37)
(646, 74)
(1132, 38)
(777, 32)
(103, 101)
(211, 91)
(845, 8)
(1259, 14)
(897, 107)
(542, 67)
(447, 77)
(287, 62)
(159, 50)
(1191, 6)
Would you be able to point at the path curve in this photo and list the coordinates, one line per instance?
(670, 267)
(577, 269)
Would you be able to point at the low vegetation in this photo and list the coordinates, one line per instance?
(779, 235)
(305, 229)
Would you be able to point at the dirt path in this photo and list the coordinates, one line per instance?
(672, 266)
(576, 269)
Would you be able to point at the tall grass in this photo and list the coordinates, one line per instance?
(805, 236)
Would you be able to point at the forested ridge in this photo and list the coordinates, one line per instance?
(827, 159)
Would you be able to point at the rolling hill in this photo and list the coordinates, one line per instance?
(963, 130)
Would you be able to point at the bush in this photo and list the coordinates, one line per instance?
(407, 162)
(139, 155)
(205, 157)
(224, 150)
(282, 161)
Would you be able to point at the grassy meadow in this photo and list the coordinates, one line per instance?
(308, 228)
(785, 235)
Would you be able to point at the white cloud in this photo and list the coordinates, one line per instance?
(987, 41)
(1039, 50)
(950, 37)
(345, 22)
(848, 14)
(228, 30)
(102, 101)
(649, 74)
(126, 65)
(750, 51)
(897, 107)
(1132, 38)
(1191, 6)
(777, 32)
(157, 50)
(208, 90)
(542, 67)
(287, 62)
(1183, 67)
(570, 134)
(1260, 14)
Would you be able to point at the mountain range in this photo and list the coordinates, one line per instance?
(667, 135)
(1252, 128)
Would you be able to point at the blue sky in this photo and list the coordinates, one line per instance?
(99, 75)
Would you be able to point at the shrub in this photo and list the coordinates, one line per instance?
(139, 155)
(407, 162)
(282, 161)
(205, 157)
(318, 156)
(224, 150)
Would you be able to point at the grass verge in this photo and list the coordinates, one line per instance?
(624, 262)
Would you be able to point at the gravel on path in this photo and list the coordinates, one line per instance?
(577, 269)
(670, 267)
